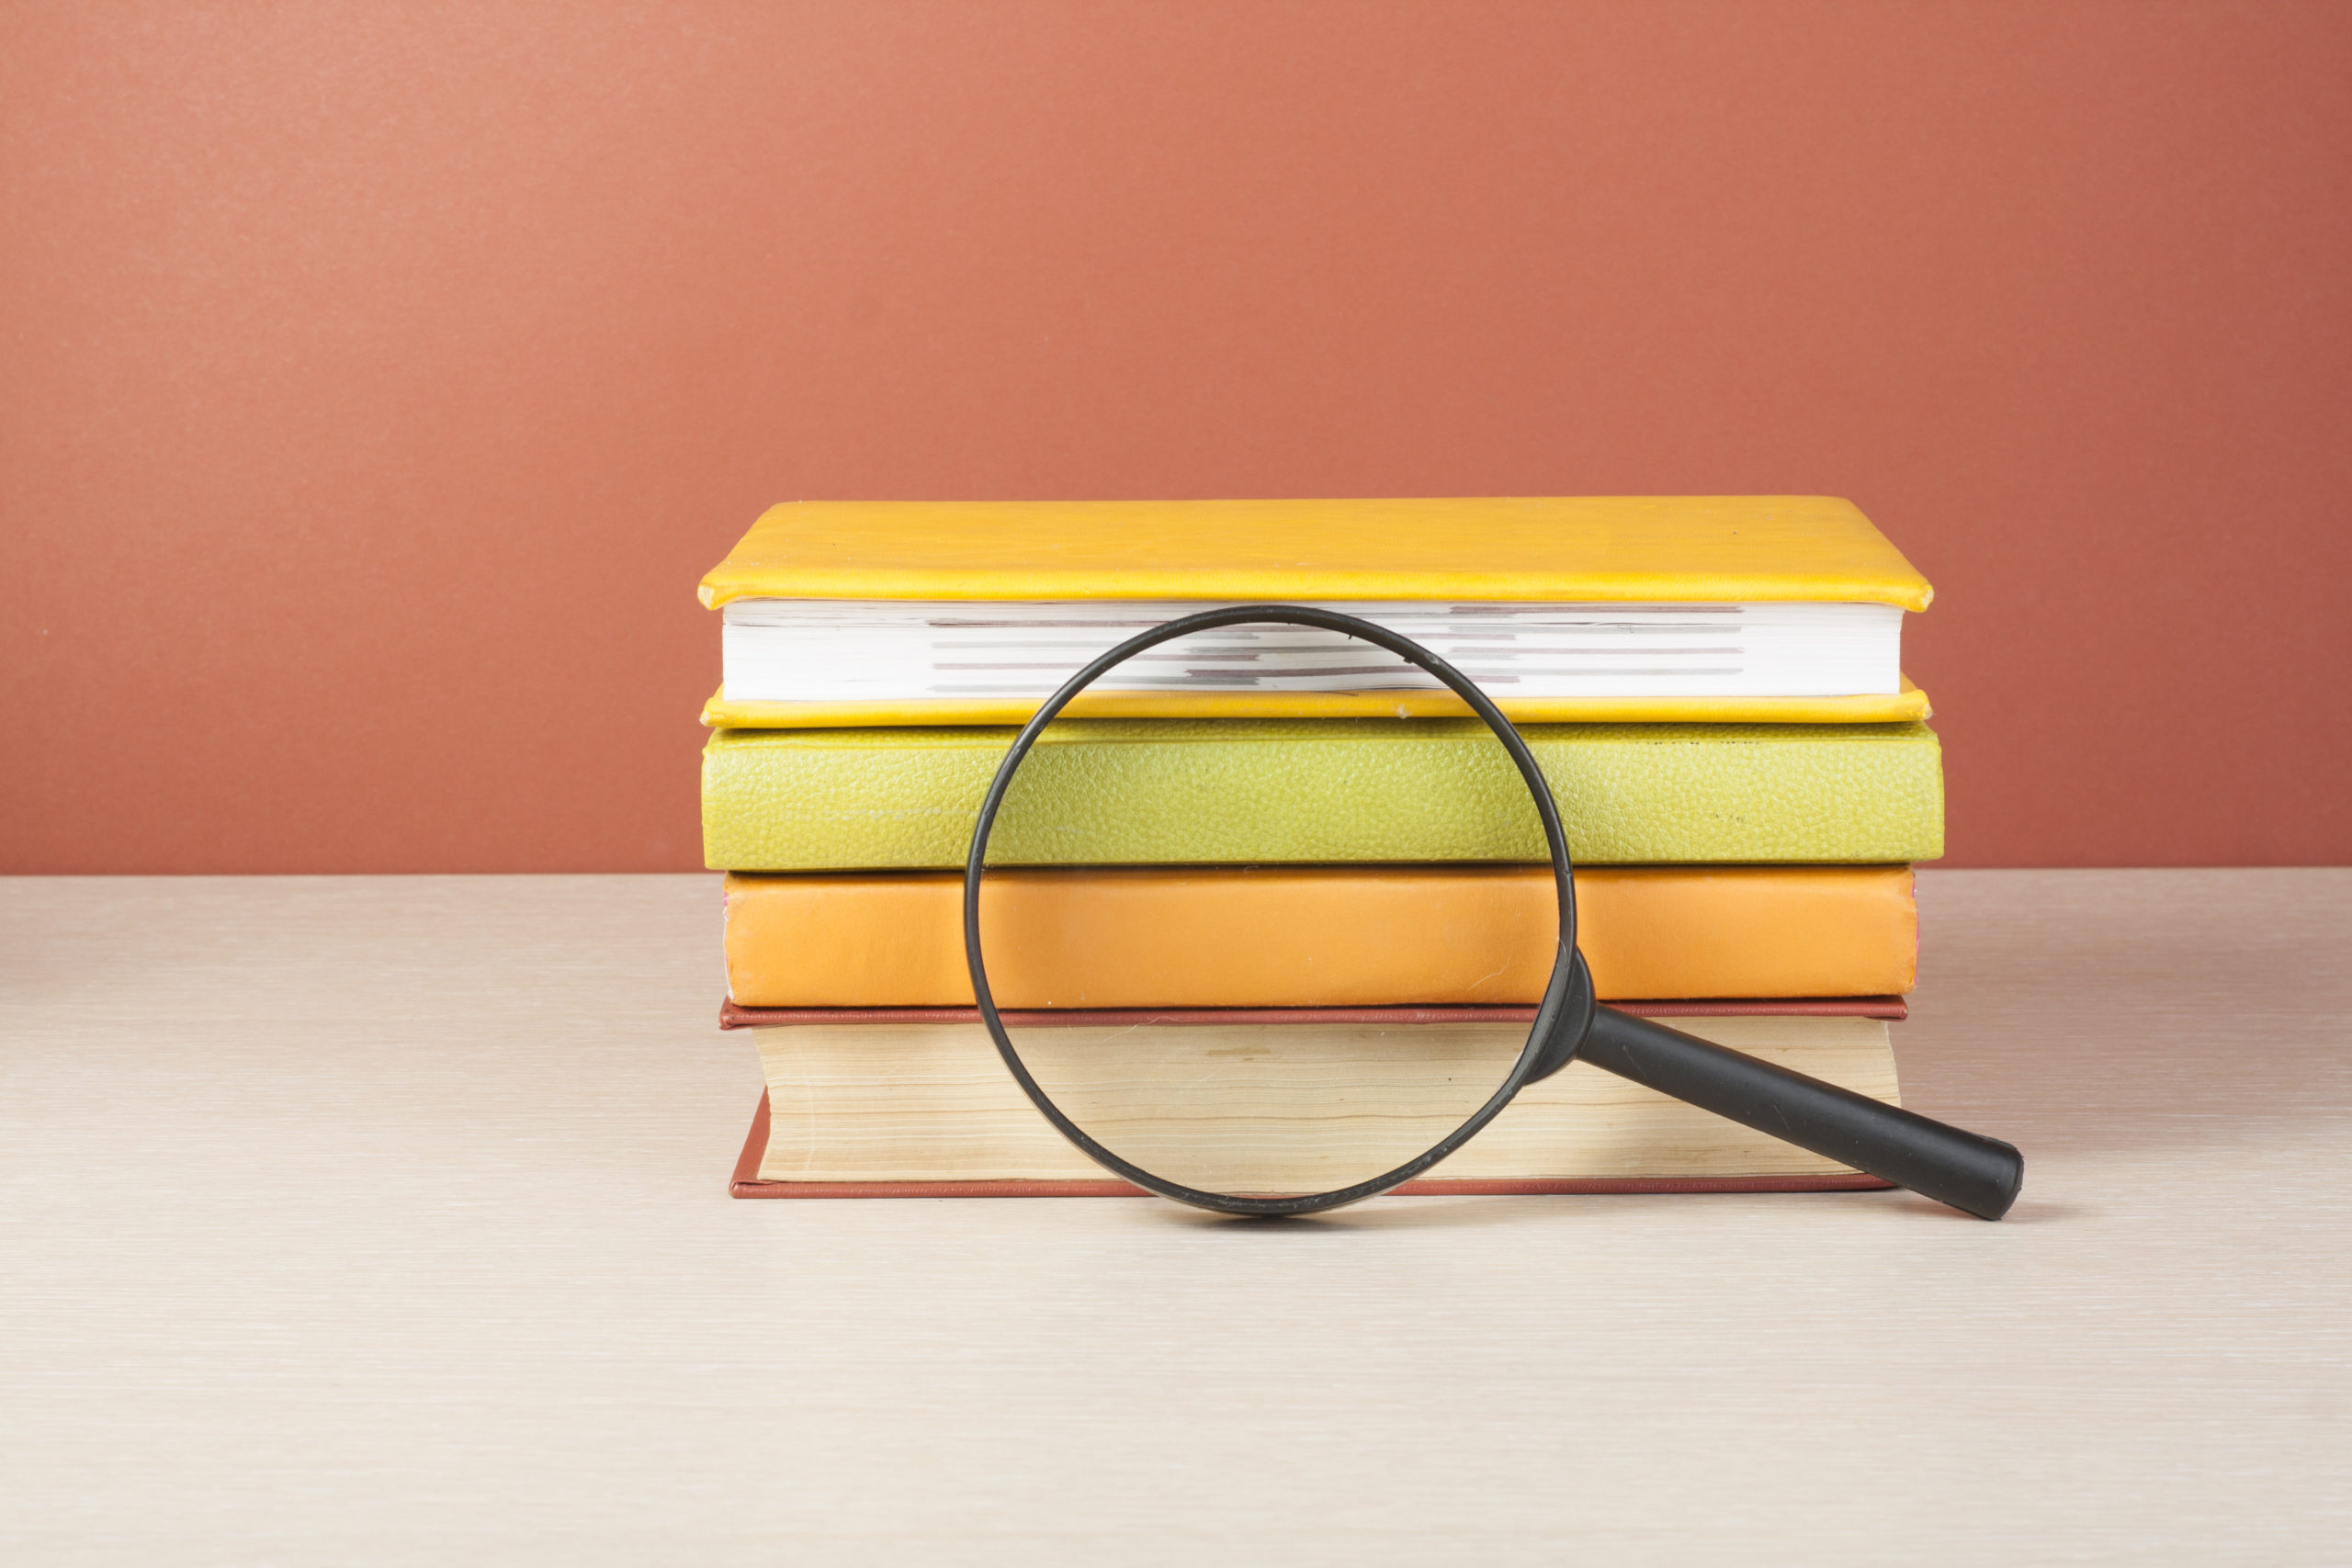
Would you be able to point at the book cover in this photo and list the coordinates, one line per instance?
(1140, 792)
(733, 1014)
(747, 712)
(1651, 550)
(1315, 936)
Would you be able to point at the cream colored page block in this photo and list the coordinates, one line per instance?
(932, 1102)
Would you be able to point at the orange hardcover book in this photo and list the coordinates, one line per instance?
(1317, 936)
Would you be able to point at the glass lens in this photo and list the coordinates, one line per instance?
(1241, 1013)
(1268, 1108)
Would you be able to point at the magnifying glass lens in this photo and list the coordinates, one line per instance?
(1265, 1109)
(1251, 1028)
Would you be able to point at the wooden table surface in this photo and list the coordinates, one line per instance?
(382, 1220)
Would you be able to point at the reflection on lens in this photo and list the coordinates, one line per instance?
(1267, 1108)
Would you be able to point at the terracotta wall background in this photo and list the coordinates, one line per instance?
(376, 380)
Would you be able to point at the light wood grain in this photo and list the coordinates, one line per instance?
(382, 1221)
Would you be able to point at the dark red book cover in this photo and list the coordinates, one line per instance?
(1892, 1008)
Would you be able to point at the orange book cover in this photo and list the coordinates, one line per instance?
(1317, 936)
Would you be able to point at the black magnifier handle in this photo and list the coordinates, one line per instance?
(1977, 1174)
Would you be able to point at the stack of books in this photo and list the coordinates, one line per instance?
(1279, 824)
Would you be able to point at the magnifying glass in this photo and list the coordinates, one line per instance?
(1257, 1113)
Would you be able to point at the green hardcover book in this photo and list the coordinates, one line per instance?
(1144, 792)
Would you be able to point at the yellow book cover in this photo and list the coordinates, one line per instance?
(1653, 550)
(1909, 703)
(1564, 549)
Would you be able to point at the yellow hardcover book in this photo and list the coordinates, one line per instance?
(1756, 573)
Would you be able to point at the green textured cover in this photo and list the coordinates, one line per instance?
(1111, 792)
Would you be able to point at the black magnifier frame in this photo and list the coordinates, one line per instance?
(1568, 969)
(1978, 1175)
